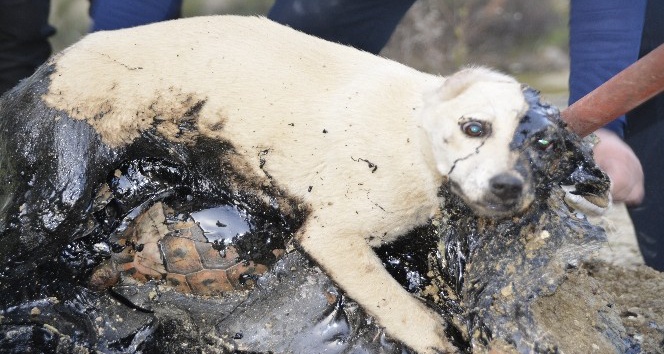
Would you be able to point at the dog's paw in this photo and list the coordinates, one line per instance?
(426, 335)
(589, 204)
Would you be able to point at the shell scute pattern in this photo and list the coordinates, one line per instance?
(157, 247)
(181, 255)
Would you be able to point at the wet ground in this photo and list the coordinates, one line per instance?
(631, 293)
(625, 286)
(635, 289)
(637, 294)
(622, 248)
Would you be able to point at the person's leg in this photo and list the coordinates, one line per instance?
(645, 134)
(24, 32)
(116, 14)
(364, 24)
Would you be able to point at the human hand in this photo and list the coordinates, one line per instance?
(618, 160)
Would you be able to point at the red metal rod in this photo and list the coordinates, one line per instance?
(622, 93)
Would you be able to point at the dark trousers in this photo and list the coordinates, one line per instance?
(116, 14)
(363, 24)
(24, 29)
(24, 33)
(645, 134)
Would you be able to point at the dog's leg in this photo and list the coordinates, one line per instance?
(352, 264)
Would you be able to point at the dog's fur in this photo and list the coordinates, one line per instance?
(361, 143)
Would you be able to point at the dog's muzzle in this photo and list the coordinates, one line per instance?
(505, 195)
(506, 188)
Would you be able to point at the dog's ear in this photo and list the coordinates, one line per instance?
(455, 84)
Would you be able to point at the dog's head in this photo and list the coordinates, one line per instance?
(500, 147)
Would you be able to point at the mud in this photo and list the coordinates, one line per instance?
(637, 295)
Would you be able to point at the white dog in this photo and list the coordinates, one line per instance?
(361, 144)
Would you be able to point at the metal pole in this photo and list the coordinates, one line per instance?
(622, 93)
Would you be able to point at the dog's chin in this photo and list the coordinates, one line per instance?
(494, 207)
(498, 208)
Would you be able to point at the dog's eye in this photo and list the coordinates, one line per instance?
(544, 143)
(474, 129)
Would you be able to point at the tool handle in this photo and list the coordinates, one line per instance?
(620, 94)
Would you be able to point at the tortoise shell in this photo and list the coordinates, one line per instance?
(203, 242)
(160, 246)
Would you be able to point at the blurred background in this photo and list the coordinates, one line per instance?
(524, 38)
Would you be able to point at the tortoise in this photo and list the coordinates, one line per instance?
(178, 253)
(194, 252)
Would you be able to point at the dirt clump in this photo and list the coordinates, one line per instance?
(637, 295)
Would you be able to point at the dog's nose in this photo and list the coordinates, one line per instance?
(506, 186)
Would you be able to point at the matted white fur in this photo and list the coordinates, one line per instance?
(363, 142)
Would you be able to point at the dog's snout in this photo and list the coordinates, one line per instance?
(506, 186)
